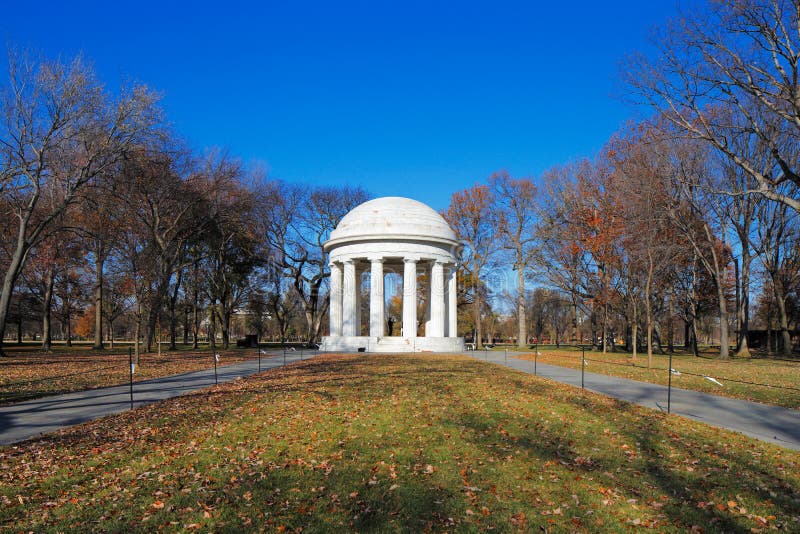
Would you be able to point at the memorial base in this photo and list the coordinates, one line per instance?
(391, 344)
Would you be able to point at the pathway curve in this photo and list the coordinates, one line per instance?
(28, 419)
(769, 423)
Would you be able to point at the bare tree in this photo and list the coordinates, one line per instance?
(232, 242)
(651, 244)
(777, 246)
(58, 131)
(737, 59)
(297, 222)
(159, 210)
(515, 202)
(699, 214)
(96, 224)
(472, 216)
(562, 256)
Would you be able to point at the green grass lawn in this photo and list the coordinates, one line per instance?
(29, 373)
(740, 377)
(397, 443)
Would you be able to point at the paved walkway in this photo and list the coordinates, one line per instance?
(769, 423)
(28, 419)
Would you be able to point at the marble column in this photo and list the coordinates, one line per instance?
(335, 310)
(376, 312)
(410, 298)
(427, 318)
(359, 283)
(349, 299)
(437, 300)
(452, 308)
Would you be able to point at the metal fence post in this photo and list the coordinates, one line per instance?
(583, 363)
(130, 367)
(216, 358)
(669, 385)
(535, 360)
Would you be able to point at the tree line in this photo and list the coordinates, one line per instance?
(108, 216)
(666, 234)
(680, 218)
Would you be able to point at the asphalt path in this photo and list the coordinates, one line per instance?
(29, 419)
(768, 423)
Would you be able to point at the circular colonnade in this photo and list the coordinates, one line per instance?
(393, 235)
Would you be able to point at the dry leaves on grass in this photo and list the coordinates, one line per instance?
(31, 375)
(396, 443)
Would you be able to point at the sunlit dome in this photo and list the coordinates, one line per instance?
(395, 218)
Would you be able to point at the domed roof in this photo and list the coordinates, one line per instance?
(392, 218)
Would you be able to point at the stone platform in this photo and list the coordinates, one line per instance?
(391, 344)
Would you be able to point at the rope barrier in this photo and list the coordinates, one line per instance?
(123, 365)
(682, 372)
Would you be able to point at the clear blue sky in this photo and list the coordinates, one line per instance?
(404, 97)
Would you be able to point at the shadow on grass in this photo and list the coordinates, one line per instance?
(295, 487)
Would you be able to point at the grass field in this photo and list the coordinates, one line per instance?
(397, 443)
(27, 373)
(739, 376)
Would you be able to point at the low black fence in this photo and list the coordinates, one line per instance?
(670, 370)
(15, 391)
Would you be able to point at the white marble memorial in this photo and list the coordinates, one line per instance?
(403, 236)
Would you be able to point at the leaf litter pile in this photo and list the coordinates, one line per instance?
(397, 443)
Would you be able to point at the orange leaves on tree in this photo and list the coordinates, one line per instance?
(85, 324)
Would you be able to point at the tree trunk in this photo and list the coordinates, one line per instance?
(10, 279)
(196, 302)
(68, 324)
(185, 325)
(226, 327)
(744, 308)
(173, 318)
(47, 305)
(687, 334)
(476, 311)
(159, 299)
(98, 300)
(648, 311)
(575, 329)
(670, 326)
(111, 333)
(212, 329)
(19, 321)
(522, 339)
(783, 321)
(769, 326)
(137, 331)
(152, 320)
(724, 342)
(310, 308)
(634, 327)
